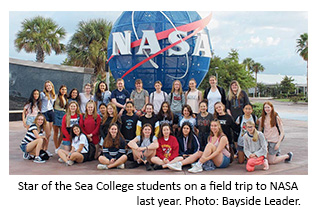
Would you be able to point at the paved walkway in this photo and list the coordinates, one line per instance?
(296, 140)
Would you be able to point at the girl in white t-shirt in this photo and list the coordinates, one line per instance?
(79, 148)
(85, 97)
(193, 96)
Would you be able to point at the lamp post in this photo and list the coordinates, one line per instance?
(215, 71)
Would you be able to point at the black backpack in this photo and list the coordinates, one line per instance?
(91, 152)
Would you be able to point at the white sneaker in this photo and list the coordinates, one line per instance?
(102, 167)
(60, 160)
(177, 166)
(121, 166)
(49, 153)
(265, 164)
(38, 160)
(56, 150)
(195, 169)
(69, 163)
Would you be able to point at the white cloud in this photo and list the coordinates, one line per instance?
(270, 41)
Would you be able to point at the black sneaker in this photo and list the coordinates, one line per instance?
(290, 157)
(157, 167)
(148, 166)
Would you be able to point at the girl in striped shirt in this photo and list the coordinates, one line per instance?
(34, 140)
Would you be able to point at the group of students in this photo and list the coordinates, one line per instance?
(159, 130)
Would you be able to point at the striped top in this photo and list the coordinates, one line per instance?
(29, 137)
(113, 152)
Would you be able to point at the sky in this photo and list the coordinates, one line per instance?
(268, 37)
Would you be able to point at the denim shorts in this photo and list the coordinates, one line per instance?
(58, 115)
(271, 150)
(23, 147)
(67, 143)
(239, 148)
(30, 120)
(49, 115)
(225, 162)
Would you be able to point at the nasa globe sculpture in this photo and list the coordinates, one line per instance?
(159, 45)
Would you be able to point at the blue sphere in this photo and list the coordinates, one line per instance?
(170, 68)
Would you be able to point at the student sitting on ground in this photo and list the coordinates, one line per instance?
(255, 148)
(114, 153)
(144, 147)
(34, 140)
(79, 148)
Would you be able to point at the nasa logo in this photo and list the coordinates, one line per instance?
(156, 45)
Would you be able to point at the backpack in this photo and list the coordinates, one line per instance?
(277, 126)
(164, 96)
(91, 152)
(44, 155)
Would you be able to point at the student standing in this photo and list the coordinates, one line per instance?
(47, 97)
(158, 97)
(110, 118)
(71, 118)
(255, 148)
(85, 97)
(150, 118)
(120, 96)
(60, 106)
(214, 94)
(165, 115)
(102, 95)
(176, 98)
(114, 153)
(227, 123)
(74, 96)
(140, 97)
(271, 126)
(203, 121)
(129, 122)
(236, 100)
(90, 125)
(193, 96)
(34, 140)
(31, 109)
(187, 115)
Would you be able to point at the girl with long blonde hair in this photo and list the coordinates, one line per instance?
(47, 97)
(90, 124)
(236, 100)
(217, 149)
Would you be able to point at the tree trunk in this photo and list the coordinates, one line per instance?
(40, 54)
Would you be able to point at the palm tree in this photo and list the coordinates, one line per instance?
(40, 35)
(248, 62)
(256, 68)
(302, 49)
(88, 46)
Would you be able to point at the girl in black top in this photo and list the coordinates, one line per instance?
(227, 123)
(189, 147)
(114, 153)
(236, 100)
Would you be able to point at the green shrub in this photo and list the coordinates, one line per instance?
(257, 109)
